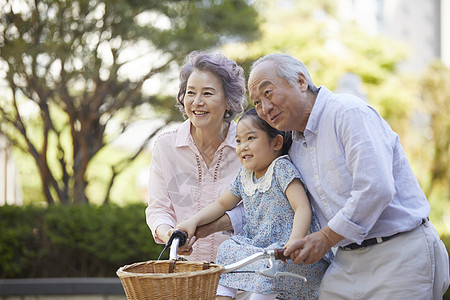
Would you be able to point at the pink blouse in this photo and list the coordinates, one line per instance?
(180, 183)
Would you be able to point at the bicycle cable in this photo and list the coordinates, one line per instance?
(162, 252)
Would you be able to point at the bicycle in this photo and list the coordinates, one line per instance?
(177, 278)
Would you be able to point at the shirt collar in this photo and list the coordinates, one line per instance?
(184, 137)
(184, 134)
(318, 108)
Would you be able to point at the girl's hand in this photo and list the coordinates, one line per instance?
(186, 249)
(188, 226)
(288, 244)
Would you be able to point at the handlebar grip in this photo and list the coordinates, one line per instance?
(181, 235)
(279, 254)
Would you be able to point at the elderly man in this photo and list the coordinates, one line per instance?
(361, 186)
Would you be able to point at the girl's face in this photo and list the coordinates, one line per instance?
(255, 149)
(204, 100)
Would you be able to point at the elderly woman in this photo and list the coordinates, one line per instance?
(194, 164)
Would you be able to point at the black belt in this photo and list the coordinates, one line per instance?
(374, 241)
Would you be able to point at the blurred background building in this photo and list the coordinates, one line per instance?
(423, 25)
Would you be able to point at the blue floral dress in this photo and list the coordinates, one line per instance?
(269, 219)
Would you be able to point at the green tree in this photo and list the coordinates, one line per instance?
(67, 59)
(330, 47)
(435, 94)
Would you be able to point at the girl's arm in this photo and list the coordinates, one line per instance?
(302, 210)
(209, 213)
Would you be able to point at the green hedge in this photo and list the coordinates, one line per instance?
(77, 241)
(73, 241)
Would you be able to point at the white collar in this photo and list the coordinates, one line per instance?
(263, 185)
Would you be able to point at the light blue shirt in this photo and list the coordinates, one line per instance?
(358, 177)
(237, 218)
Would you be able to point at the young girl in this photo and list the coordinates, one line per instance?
(277, 212)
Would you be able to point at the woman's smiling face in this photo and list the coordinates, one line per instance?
(204, 101)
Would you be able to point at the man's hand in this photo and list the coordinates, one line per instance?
(313, 247)
(187, 249)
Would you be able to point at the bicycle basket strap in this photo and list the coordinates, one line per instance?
(205, 265)
(172, 266)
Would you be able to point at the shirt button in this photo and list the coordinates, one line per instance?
(311, 148)
(325, 204)
(316, 176)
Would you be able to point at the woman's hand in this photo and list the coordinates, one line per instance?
(163, 232)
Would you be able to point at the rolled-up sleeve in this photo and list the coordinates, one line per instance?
(368, 159)
(358, 176)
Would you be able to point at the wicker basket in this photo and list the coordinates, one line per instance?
(152, 280)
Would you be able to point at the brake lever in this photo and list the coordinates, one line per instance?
(178, 238)
(272, 270)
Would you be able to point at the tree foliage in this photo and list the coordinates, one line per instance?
(435, 94)
(330, 47)
(67, 61)
(415, 106)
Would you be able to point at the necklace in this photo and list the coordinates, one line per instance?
(208, 149)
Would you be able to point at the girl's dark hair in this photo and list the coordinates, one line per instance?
(271, 132)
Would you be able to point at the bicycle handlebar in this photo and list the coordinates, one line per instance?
(272, 271)
(179, 238)
(271, 254)
(180, 235)
(279, 254)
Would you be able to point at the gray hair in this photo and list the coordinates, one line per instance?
(228, 71)
(288, 68)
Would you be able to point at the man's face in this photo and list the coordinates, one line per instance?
(277, 102)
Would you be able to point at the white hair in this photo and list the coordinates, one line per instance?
(289, 68)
